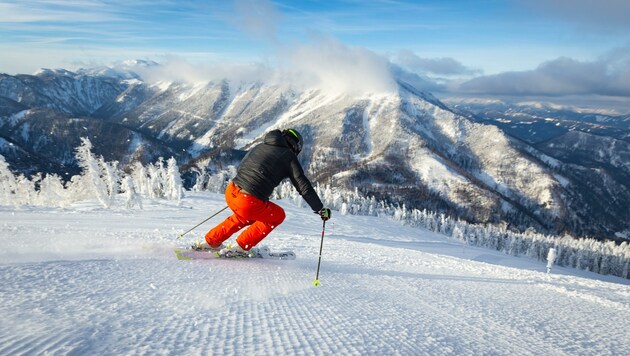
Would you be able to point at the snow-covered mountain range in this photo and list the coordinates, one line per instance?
(404, 146)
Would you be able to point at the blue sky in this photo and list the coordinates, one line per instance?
(515, 47)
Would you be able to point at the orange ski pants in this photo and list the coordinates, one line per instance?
(261, 217)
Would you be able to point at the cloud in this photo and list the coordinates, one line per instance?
(318, 62)
(52, 11)
(418, 81)
(328, 63)
(440, 66)
(174, 68)
(609, 75)
(323, 63)
(258, 18)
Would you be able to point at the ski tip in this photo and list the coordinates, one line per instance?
(316, 283)
(180, 256)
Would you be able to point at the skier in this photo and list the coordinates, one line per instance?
(261, 170)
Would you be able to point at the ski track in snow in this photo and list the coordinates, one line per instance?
(91, 281)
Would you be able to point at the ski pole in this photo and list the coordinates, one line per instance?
(217, 213)
(321, 246)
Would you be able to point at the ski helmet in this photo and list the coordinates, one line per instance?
(294, 139)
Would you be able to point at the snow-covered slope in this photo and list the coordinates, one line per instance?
(84, 280)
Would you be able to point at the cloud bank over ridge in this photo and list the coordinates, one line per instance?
(608, 76)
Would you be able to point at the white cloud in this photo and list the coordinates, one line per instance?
(334, 66)
(173, 68)
(609, 75)
(259, 18)
(440, 66)
(324, 63)
(51, 11)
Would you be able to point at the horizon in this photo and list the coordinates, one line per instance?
(550, 50)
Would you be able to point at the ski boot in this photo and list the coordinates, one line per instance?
(235, 250)
(203, 246)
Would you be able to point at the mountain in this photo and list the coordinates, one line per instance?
(404, 147)
(535, 122)
(43, 117)
(590, 150)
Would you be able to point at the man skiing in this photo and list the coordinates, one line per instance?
(261, 170)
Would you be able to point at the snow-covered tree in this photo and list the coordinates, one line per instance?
(25, 191)
(344, 209)
(92, 176)
(156, 179)
(52, 191)
(174, 189)
(132, 198)
(111, 177)
(140, 178)
(8, 184)
(201, 179)
(551, 258)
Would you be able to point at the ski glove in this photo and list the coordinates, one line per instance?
(324, 213)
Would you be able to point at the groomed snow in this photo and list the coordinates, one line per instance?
(86, 280)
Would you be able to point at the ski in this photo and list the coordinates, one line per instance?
(191, 254)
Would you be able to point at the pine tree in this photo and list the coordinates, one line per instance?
(132, 197)
(52, 191)
(141, 179)
(201, 179)
(156, 179)
(173, 185)
(24, 191)
(8, 185)
(92, 175)
(111, 177)
(458, 233)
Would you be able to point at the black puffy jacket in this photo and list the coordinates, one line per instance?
(269, 163)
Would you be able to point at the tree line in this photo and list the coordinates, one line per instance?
(108, 183)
